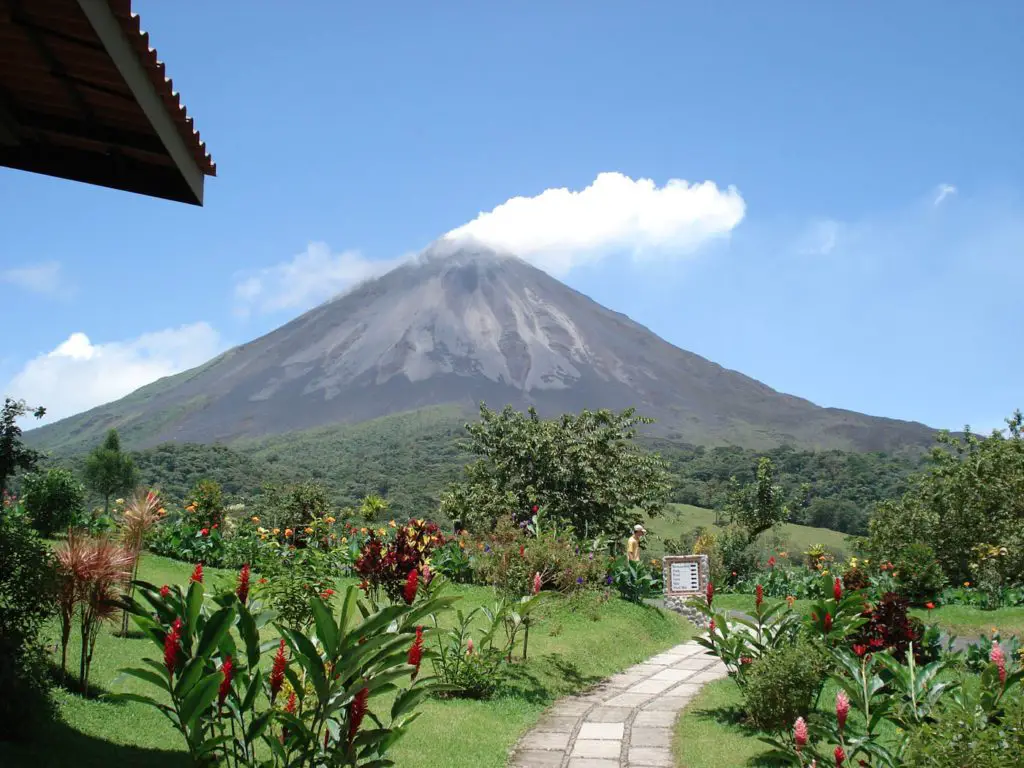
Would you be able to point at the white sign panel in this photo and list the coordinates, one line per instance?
(685, 577)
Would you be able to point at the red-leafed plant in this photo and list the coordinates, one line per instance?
(384, 564)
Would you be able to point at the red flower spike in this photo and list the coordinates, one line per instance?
(711, 626)
(292, 704)
(860, 650)
(242, 590)
(758, 595)
(997, 657)
(277, 672)
(710, 593)
(356, 713)
(204, 532)
(800, 733)
(828, 622)
(522, 551)
(172, 646)
(837, 589)
(197, 574)
(840, 756)
(165, 591)
(536, 583)
(411, 584)
(771, 561)
(416, 652)
(227, 669)
(930, 606)
(535, 508)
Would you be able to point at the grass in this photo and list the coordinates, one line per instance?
(682, 518)
(577, 642)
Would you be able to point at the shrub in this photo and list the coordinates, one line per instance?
(955, 740)
(384, 564)
(52, 499)
(472, 667)
(206, 504)
(27, 592)
(453, 562)
(784, 684)
(635, 580)
(889, 626)
(291, 581)
(918, 574)
(738, 556)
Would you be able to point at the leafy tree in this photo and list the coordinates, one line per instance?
(581, 469)
(970, 498)
(109, 471)
(52, 499)
(13, 453)
(760, 505)
(372, 507)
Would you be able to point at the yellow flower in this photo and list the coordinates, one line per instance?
(967, 583)
(381, 532)
(362, 530)
(119, 501)
(344, 539)
(161, 511)
(462, 545)
(276, 531)
(393, 524)
(255, 519)
(308, 530)
(330, 520)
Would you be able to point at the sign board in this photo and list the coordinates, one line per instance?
(685, 574)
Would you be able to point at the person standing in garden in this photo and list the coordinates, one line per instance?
(633, 545)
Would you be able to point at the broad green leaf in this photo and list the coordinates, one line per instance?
(202, 695)
(326, 629)
(215, 629)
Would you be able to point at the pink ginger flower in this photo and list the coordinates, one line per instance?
(800, 733)
(197, 574)
(469, 647)
(842, 708)
(997, 657)
(536, 583)
(840, 756)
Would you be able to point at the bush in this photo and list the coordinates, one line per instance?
(956, 740)
(784, 684)
(918, 574)
(206, 504)
(27, 600)
(52, 499)
(635, 581)
(453, 562)
(384, 564)
(889, 626)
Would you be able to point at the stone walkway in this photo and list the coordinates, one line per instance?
(626, 721)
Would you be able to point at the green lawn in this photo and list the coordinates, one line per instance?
(681, 518)
(576, 643)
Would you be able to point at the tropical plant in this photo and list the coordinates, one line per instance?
(142, 511)
(14, 454)
(90, 571)
(758, 506)
(471, 668)
(635, 580)
(384, 563)
(231, 710)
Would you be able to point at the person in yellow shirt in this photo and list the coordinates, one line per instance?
(633, 545)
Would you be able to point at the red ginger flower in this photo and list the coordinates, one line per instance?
(204, 532)
(292, 704)
(536, 583)
(771, 561)
(197, 574)
(828, 622)
(165, 591)
(840, 757)
(930, 606)
(469, 647)
(242, 590)
(535, 508)
(997, 657)
(800, 733)
(711, 626)
(842, 708)
(356, 713)
(522, 551)
(758, 595)
(860, 650)
(172, 646)
(710, 593)
(837, 589)
(228, 671)
(416, 652)
(411, 584)
(277, 672)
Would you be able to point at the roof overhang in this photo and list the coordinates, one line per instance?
(83, 97)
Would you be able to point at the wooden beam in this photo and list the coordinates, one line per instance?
(127, 62)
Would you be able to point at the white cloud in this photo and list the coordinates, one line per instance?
(305, 280)
(78, 375)
(561, 228)
(942, 192)
(45, 278)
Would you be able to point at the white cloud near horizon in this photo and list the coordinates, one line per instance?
(78, 375)
(942, 192)
(307, 279)
(560, 229)
(45, 278)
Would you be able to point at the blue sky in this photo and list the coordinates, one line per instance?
(868, 255)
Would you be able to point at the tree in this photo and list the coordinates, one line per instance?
(52, 499)
(581, 469)
(108, 471)
(13, 453)
(760, 505)
(372, 507)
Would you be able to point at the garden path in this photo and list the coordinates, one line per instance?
(626, 721)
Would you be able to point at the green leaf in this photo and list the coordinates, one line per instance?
(326, 629)
(250, 636)
(215, 629)
(199, 698)
(254, 688)
(148, 675)
(134, 697)
(193, 605)
(189, 676)
(258, 725)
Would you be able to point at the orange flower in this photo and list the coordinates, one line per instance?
(288, 532)
(308, 530)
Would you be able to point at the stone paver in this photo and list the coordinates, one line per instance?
(625, 721)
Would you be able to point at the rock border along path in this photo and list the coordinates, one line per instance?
(626, 721)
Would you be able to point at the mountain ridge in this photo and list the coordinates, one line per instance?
(457, 325)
